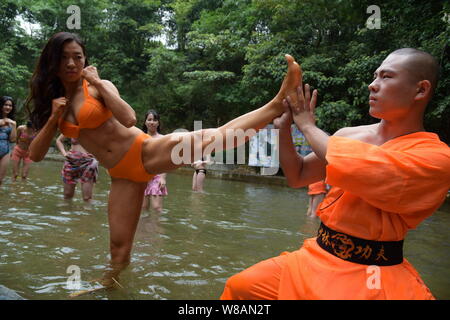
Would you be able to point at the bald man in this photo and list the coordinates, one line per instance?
(386, 178)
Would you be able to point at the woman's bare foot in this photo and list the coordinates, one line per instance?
(291, 82)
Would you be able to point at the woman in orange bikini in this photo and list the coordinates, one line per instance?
(68, 94)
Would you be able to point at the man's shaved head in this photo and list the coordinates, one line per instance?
(421, 65)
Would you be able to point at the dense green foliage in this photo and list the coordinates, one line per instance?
(220, 58)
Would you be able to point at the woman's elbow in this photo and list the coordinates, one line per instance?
(130, 122)
(129, 119)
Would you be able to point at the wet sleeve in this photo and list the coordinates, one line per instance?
(392, 180)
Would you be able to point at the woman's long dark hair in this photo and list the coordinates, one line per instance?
(155, 117)
(45, 84)
(12, 114)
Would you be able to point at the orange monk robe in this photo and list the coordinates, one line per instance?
(317, 188)
(379, 193)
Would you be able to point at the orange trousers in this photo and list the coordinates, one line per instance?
(259, 282)
(311, 273)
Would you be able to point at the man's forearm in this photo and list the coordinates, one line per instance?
(318, 140)
(291, 162)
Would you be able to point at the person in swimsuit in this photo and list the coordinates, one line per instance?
(78, 166)
(7, 133)
(156, 188)
(198, 179)
(25, 134)
(316, 192)
(386, 179)
(67, 93)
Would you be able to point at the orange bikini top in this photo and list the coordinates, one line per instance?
(91, 115)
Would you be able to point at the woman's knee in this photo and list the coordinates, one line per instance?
(157, 207)
(120, 251)
(87, 196)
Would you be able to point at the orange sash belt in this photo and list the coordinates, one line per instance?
(357, 250)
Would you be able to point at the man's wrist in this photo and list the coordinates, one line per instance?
(307, 129)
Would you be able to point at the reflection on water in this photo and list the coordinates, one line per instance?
(186, 252)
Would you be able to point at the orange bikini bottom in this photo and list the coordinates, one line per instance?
(130, 167)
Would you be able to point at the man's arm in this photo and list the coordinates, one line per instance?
(304, 118)
(301, 171)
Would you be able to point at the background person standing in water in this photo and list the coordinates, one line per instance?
(21, 154)
(156, 188)
(317, 192)
(198, 179)
(79, 166)
(7, 133)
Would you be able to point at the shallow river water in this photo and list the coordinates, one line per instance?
(186, 252)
